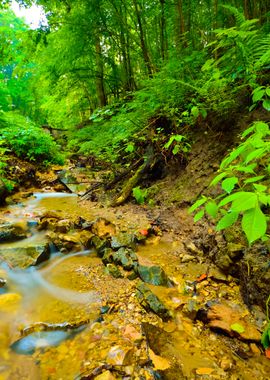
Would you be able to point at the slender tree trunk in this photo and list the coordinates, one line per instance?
(144, 48)
(102, 101)
(162, 29)
(180, 25)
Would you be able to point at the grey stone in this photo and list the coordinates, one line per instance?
(24, 257)
(123, 240)
(150, 301)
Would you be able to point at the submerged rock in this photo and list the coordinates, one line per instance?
(24, 257)
(151, 302)
(9, 302)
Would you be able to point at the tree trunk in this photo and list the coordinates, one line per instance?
(144, 48)
(102, 101)
(180, 25)
(162, 29)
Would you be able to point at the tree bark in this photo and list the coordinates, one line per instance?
(144, 47)
(102, 101)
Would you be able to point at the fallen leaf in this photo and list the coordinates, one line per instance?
(237, 328)
(204, 371)
(144, 232)
(202, 277)
(267, 353)
(159, 363)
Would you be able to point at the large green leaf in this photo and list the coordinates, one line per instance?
(246, 201)
(227, 220)
(258, 95)
(266, 104)
(197, 204)
(212, 209)
(254, 224)
(199, 215)
(218, 178)
(229, 183)
(254, 155)
(230, 198)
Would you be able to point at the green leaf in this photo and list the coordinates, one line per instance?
(254, 224)
(254, 179)
(258, 95)
(232, 156)
(260, 187)
(227, 220)
(203, 112)
(229, 198)
(195, 111)
(218, 178)
(212, 209)
(197, 204)
(198, 216)
(238, 328)
(265, 339)
(248, 131)
(229, 183)
(261, 127)
(266, 104)
(246, 201)
(267, 91)
(254, 155)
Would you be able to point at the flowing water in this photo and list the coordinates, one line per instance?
(56, 292)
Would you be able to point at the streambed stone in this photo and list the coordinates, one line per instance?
(126, 258)
(123, 240)
(154, 275)
(13, 231)
(150, 301)
(24, 257)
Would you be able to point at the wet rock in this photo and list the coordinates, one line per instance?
(103, 228)
(132, 334)
(191, 308)
(86, 238)
(107, 375)
(99, 244)
(192, 248)
(126, 258)
(235, 251)
(121, 356)
(114, 271)
(13, 231)
(63, 226)
(151, 302)
(231, 322)
(23, 257)
(187, 258)
(9, 302)
(123, 240)
(2, 282)
(107, 256)
(154, 275)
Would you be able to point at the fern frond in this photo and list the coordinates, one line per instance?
(239, 17)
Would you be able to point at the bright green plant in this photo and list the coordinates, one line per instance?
(178, 143)
(261, 94)
(139, 194)
(244, 180)
(28, 141)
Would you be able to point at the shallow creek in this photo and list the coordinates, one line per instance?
(68, 318)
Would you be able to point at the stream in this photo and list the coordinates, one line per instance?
(68, 313)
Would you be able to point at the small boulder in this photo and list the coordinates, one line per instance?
(123, 240)
(114, 271)
(154, 275)
(103, 228)
(24, 257)
(126, 258)
(13, 231)
(231, 322)
(150, 301)
(121, 356)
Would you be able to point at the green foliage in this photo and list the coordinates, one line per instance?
(244, 179)
(178, 143)
(261, 94)
(139, 194)
(27, 141)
